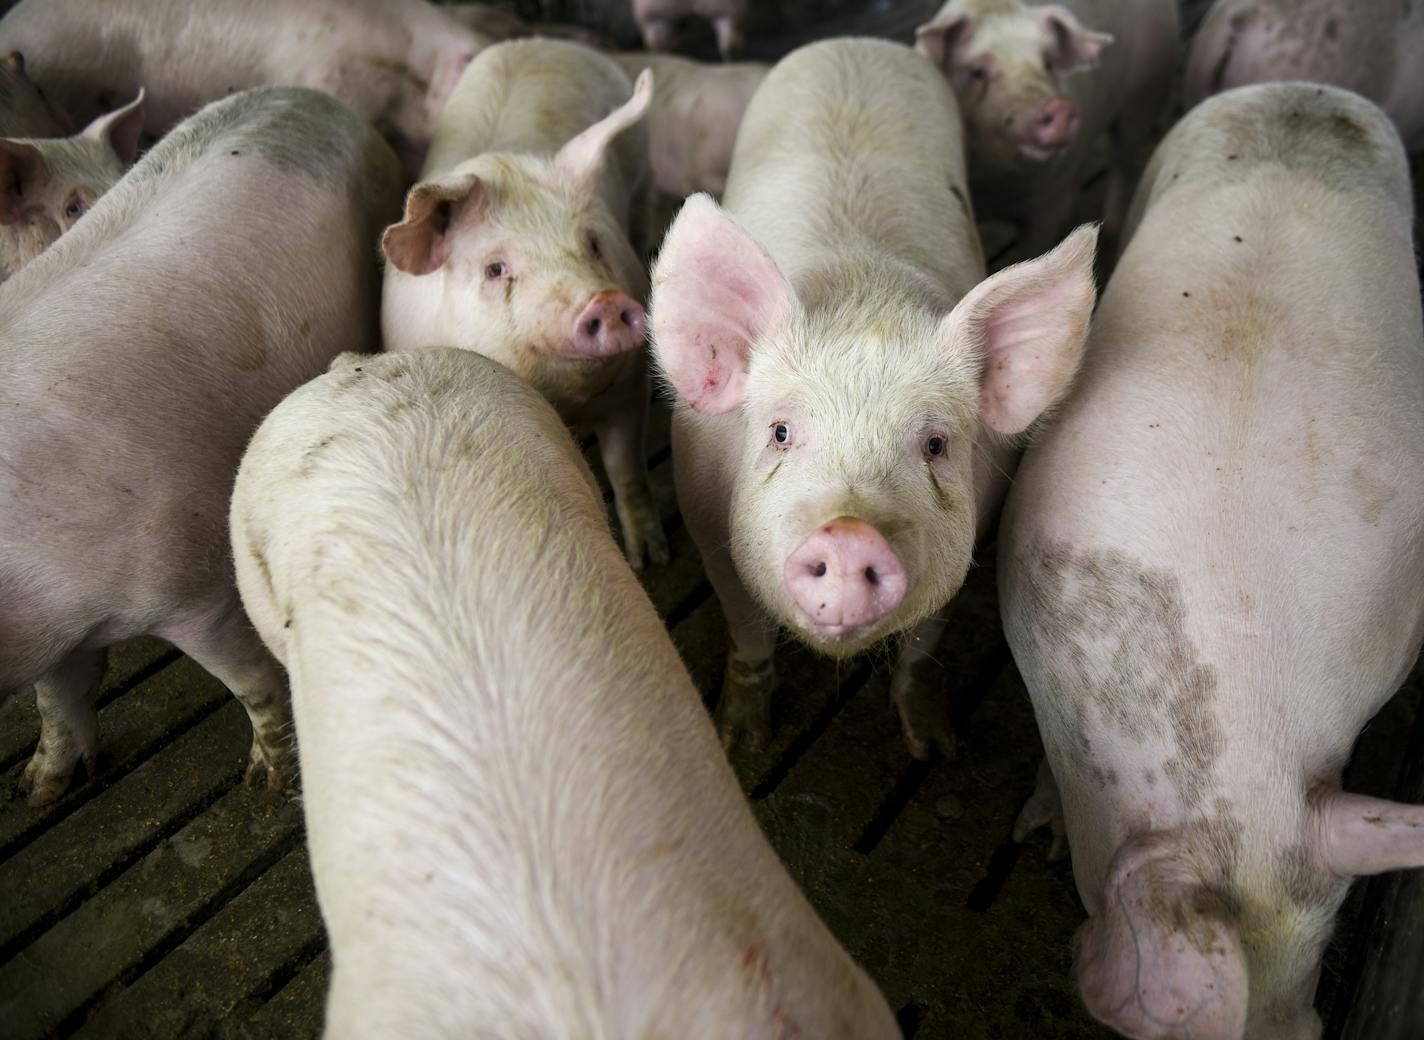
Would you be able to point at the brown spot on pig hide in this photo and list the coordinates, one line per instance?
(257, 545)
(946, 501)
(1371, 495)
(1111, 634)
(1332, 28)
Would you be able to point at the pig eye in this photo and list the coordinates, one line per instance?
(594, 247)
(495, 270)
(934, 446)
(780, 433)
(75, 208)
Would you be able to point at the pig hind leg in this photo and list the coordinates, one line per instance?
(69, 725)
(225, 644)
(1044, 808)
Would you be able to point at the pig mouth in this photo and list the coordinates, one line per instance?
(1039, 153)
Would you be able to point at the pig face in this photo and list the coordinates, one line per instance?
(46, 184)
(1006, 62)
(861, 412)
(530, 263)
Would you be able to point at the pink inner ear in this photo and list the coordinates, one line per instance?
(1163, 958)
(716, 291)
(1029, 322)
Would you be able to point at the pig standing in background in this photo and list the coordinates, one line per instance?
(657, 21)
(24, 109)
(1039, 86)
(520, 822)
(1211, 564)
(393, 61)
(693, 121)
(846, 391)
(1373, 47)
(496, 24)
(515, 244)
(46, 184)
(141, 351)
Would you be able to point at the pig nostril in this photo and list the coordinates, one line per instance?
(819, 570)
(593, 326)
(623, 315)
(871, 576)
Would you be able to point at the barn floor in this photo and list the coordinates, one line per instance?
(162, 899)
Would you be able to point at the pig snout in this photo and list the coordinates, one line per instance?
(845, 577)
(611, 324)
(1055, 125)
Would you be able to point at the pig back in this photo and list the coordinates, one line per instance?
(530, 97)
(856, 141)
(1248, 427)
(440, 579)
(144, 347)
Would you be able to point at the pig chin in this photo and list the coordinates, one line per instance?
(565, 377)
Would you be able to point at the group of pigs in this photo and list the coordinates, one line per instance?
(1210, 560)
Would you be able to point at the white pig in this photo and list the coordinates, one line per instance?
(520, 822)
(1039, 86)
(1211, 563)
(1373, 47)
(24, 109)
(657, 21)
(47, 183)
(141, 351)
(393, 61)
(846, 391)
(515, 243)
(693, 121)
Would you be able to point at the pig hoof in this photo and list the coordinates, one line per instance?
(744, 712)
(46, 777)
(264, 775)
(650, 544)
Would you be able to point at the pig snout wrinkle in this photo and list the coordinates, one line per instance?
(844, 577)
(612, 323)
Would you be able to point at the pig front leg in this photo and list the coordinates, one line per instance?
(69, 725)
(1044, 808)
(622, 443)
(223, 642)
(917, 690)
(1043, 223)
(744, 709)
(729, 35)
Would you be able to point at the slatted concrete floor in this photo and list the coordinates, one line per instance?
(163, 899)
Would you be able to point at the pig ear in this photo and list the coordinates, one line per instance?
(14, 62)
(716, 291)
(1370, 835)
(1028, 322)
(1163, 957)
(23, 171)
(421, 242)
(1070, 46)
(119, 130)
(938, 37)
(582, 157)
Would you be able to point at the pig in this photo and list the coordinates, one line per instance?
(1039, 87)
(1210, 563)
(142, 349)
(24, 109)
(692, 125)
(848, 384)
(515, 243)
(657, 21)
(507, 773)
(46, 184)
(393, 61)
(1373, 48)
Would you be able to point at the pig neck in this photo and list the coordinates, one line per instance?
(547, 819)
